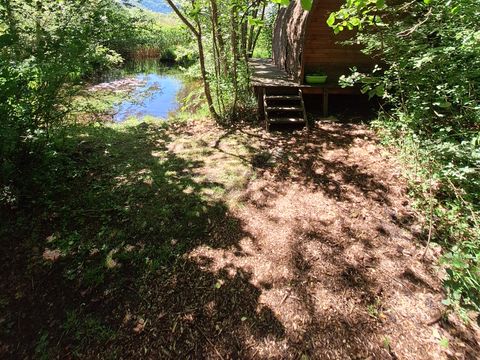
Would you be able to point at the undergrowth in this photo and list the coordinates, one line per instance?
(443, 173)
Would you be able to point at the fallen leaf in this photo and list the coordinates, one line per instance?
(140, 326)
(51, 255)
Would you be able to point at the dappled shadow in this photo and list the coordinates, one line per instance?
(337, 246)
(113, 214)
(336, 332)
(301, 159)
(162, 255)
(198, 314)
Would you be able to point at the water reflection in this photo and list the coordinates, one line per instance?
(157, 97)
(155, 93)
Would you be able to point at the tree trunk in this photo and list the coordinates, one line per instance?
(255, 33)
(203, 69)
(236, 56)
(197, 32)
(218, 37)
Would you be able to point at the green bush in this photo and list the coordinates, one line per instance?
(48, 48)
(428, 77)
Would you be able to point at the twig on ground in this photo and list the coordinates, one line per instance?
(285, 298)
(210, 342)
(430, 226)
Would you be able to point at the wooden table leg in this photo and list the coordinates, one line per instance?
(260, 109)
(325, 103)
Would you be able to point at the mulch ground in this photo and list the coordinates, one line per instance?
(318, 256)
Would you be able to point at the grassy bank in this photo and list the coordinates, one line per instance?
(102, 210)
(155, 35)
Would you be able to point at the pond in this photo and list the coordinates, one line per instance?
(152, 87)
(156, 96)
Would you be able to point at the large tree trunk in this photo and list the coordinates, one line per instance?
(288, 38)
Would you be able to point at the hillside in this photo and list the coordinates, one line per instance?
(159, 6)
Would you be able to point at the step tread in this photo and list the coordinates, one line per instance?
(283, 97)
(286, 120)
(285, 108)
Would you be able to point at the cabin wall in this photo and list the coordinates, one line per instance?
(303, 43)
(288, 39)
(321, 49)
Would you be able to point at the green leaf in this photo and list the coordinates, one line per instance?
(307, 4)
(445, 104)
(444, 343)
(380, 4)
(380, 90)
(282, 2)
(355, 21)
(255, 21)
(331, 19)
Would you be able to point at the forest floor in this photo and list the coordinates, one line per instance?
(196, 241)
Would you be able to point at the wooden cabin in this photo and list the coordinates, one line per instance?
(303, 43)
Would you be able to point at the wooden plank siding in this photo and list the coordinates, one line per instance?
(303, 43)
(321, 48)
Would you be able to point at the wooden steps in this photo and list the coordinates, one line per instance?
(284, 108)
(292, 120)
(283, 97)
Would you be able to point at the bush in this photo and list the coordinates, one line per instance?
(48, 48)
(429, 81)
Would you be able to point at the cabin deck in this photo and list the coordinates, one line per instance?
(266, 76)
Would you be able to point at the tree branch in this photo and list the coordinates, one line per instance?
(183, 18)
(414, 28)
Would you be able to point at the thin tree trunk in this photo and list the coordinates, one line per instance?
(38, 29)
(203, 69)
(216, 56)
(251, 29)
(236, 56)
(216, 60)
(197, 32)
(243, 42)
(254, 35)
(218, 36)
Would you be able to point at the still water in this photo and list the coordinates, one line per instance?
(155, 90)
(157, 97)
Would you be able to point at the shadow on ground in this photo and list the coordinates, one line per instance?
(144, 241)
(94, 254)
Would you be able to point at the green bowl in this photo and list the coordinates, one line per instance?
(316, 79)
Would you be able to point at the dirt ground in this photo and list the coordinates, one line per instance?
(318, 255)
(324, 260)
